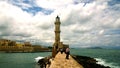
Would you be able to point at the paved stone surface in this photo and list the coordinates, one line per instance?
(60, 62)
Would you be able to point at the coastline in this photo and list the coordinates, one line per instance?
(24, 51)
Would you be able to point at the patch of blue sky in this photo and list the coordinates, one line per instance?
(113, 2)
(113, 32)
(14, 1)
(27, 1)
(47, 12)
(30, 2)
(112, 8)
(32, 7)
(34, 10)
(83, 1)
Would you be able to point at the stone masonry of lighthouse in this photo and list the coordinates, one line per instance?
(57, 44)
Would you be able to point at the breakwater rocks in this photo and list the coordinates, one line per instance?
(88, 62)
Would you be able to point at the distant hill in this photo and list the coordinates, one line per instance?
(111, 47)
(105, 47)
(95, 48)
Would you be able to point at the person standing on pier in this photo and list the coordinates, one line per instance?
(67, 53)
(61, 50)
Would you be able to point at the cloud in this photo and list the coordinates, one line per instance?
(84, 23)
(53, 4)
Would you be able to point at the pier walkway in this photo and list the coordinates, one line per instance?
(60, 62)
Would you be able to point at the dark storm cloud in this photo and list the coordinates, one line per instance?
(5, 27)
(81, 31)
(21, 35)
(45, 26)
(4, 23)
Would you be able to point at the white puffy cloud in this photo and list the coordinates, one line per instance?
(53, 4)
(83, 24)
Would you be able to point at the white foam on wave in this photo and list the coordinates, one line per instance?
(103, 62)
(38, 58)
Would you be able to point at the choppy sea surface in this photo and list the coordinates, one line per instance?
(107, 57)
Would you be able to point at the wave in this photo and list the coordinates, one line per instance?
(103, 62)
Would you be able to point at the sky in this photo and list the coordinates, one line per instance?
(84, 23)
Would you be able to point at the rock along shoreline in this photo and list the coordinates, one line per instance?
(88, 62)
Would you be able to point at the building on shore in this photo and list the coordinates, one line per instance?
(57, 44)
(38, 48)
(12, 46)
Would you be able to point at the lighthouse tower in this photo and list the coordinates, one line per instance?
(57, 36)
(57, 43)
(57, 30)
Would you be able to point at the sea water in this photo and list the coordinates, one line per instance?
(20, 60)
(107, 57)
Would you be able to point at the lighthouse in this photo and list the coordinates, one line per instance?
(57, 30)
(57, 43)
(57, 36)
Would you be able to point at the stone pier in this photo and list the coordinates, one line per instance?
(60, 62)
